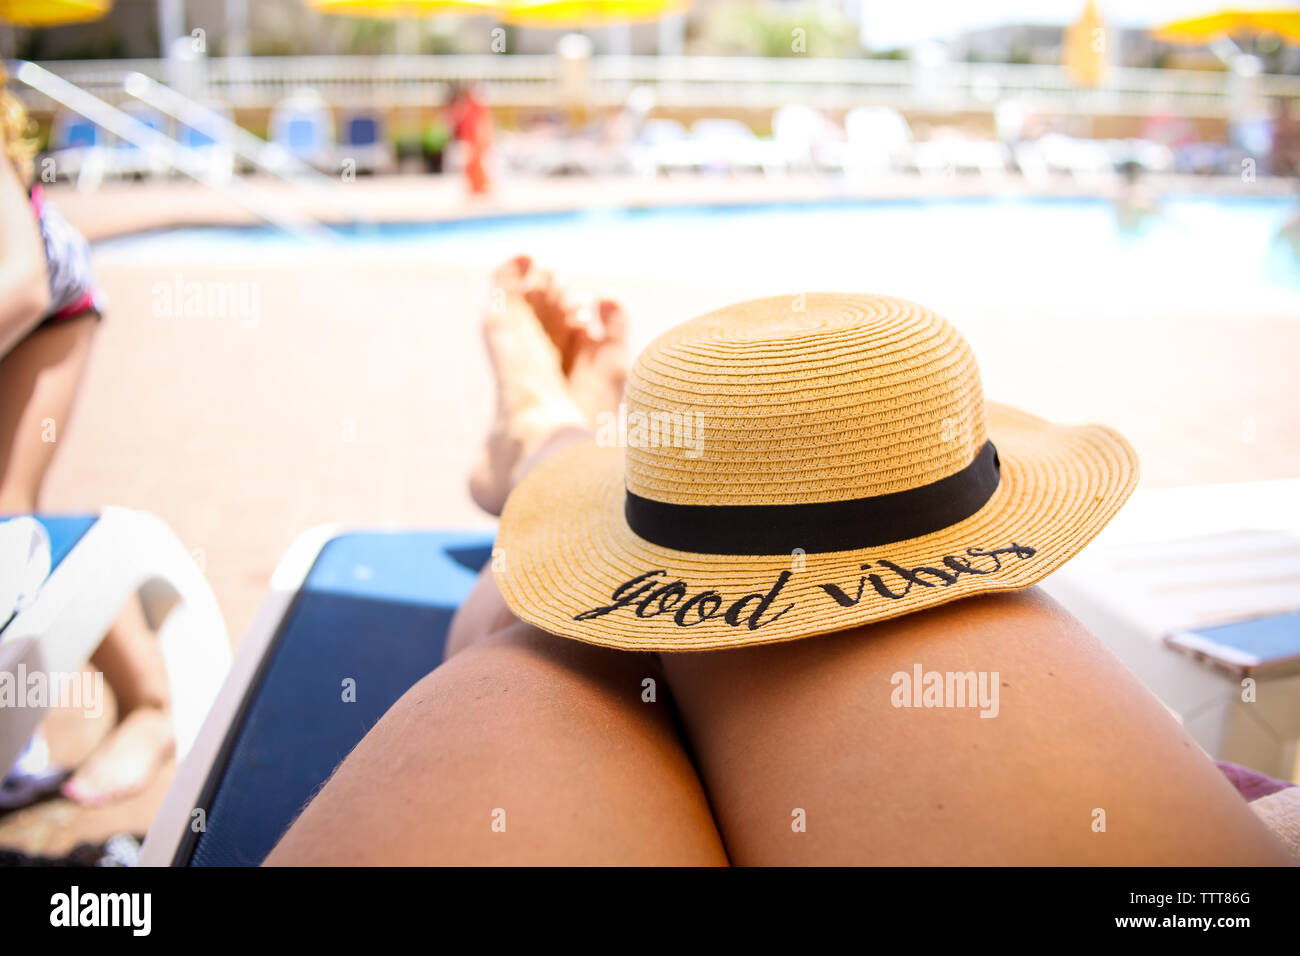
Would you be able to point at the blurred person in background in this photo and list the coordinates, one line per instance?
(1284, 158)
(471, 127)
(1136, 203)
(50, 308)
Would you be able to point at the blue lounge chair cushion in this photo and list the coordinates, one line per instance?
(64, 532)
(149, 120)
(303, 135)
(361, 131)
(373, 610)
(81, 135)
(196, 138)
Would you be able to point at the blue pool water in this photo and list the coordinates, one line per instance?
(1207, 255)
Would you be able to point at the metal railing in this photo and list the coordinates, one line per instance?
(168, 153)
(689, 82)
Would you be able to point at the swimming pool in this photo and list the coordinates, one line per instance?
(1208, 256)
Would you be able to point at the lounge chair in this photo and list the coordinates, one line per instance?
(361, 139)
(302, 125)
(948, 154)
(79, 149)
(351, 622)
(729, 145)
(205, 140)
(129, 160)
(1085, 160)
(97, 562)
(670, 147)
(878, 140)
(801, 134)
(1199, 559)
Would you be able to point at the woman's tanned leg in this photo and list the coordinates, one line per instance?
(523, 748)
(807, 757)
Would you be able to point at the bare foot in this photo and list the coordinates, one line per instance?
(125, 761)
(533, 399)
(598, 366)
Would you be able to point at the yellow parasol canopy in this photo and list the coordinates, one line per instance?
(52, 13)
(385, 9)
(1084, 48)
(1279, 19)
(587, 13)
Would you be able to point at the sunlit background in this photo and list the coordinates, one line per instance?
(295, 205)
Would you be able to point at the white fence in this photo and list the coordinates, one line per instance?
(680, 82)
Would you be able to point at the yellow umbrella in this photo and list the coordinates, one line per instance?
(51, 13)
(1085, 48)
(1282, 20)
(406, 9)
(583, 13)
(382, 9)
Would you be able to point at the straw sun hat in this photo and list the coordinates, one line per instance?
(796, 465)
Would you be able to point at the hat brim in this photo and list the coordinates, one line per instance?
(565, 547)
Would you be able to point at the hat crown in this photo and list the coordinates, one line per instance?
(799, 399)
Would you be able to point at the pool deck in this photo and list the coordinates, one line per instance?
(360, 396)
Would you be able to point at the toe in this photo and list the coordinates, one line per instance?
(613, 320)
(511, 276)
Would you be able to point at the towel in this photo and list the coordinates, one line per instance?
(1280, 812)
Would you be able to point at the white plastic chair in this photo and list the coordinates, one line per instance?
(800, 133)
(124, 552)
(731, 146)
(669, 145)
(877, 140)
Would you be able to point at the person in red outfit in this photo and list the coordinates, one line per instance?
(471, 125)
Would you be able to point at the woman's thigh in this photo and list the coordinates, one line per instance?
(523, 748)
(38, 385)
(809, 756)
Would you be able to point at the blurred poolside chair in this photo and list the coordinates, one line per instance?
(1031, 162)
(669, 146)
(1207, 159)
(801, 133)
(129, 160)
(303, 126)
(948, 154)
(79, 149)
(624, 139)
(1082, 159)
(878, 140)
(204, 140)
(548, 148)
(367, 607)
(1152, 157)
(728, 145)
(95, 564)
(361, 139)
